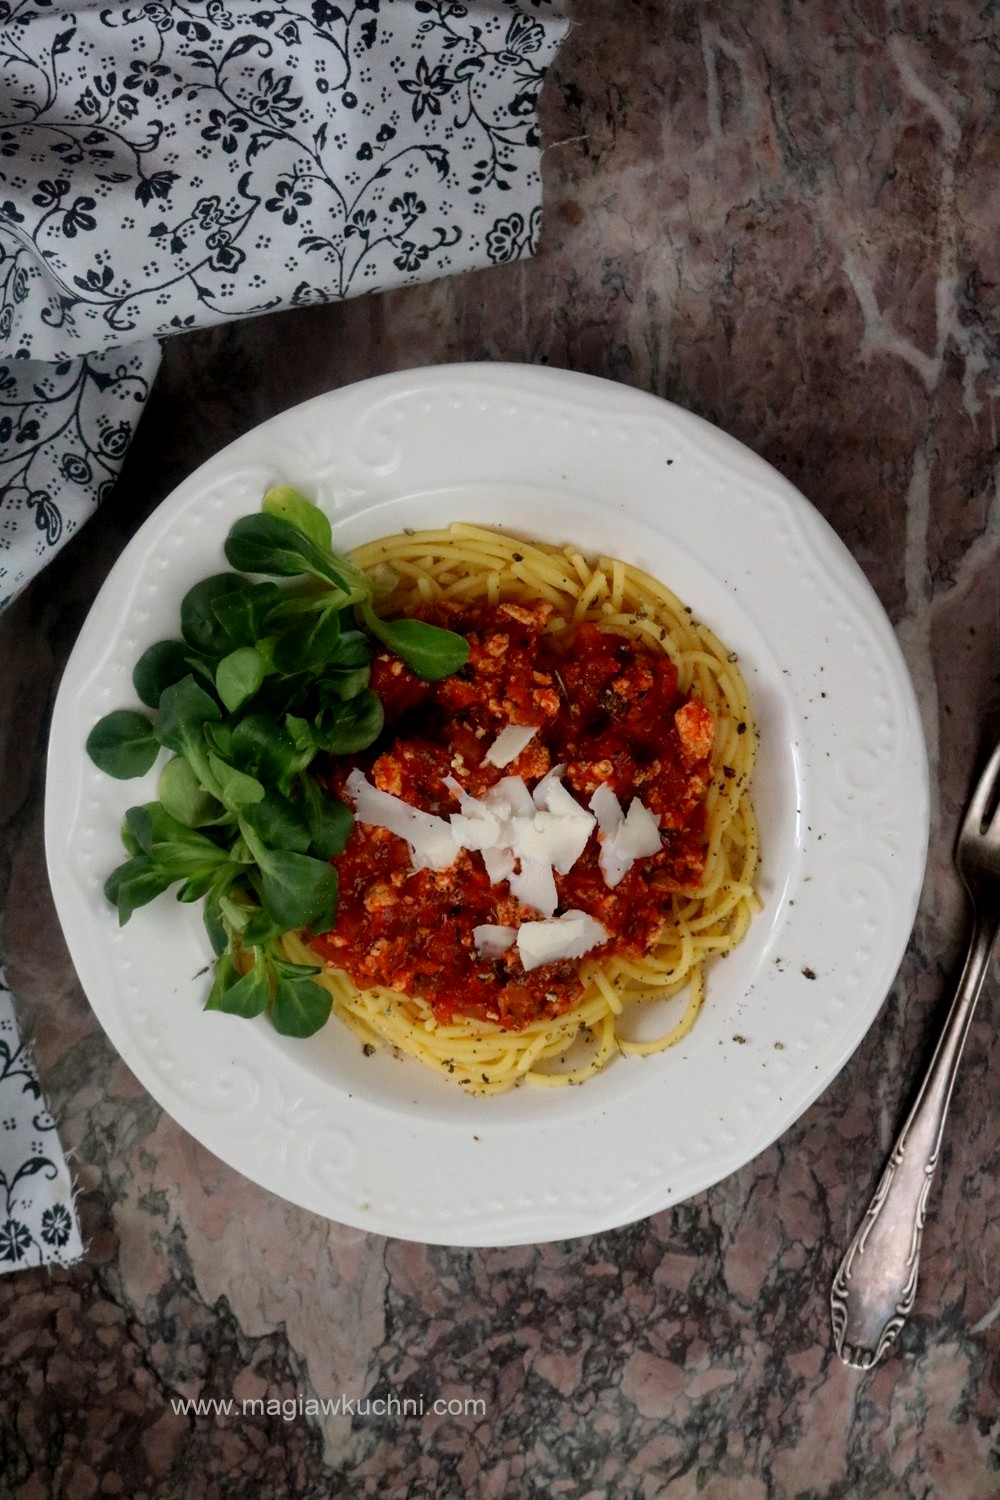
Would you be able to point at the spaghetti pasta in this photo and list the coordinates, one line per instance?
(468, 565)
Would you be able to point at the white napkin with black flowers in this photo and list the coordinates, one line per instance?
(164, 167)
(38, 1222)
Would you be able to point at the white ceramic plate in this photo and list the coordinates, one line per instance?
(841, 795)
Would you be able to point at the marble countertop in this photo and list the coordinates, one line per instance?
(783, 218)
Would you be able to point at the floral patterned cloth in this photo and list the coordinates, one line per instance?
(38, 1224)
(168, 165)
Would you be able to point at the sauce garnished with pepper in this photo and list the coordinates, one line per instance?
(604, 707)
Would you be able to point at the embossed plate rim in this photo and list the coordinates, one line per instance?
(608, 466)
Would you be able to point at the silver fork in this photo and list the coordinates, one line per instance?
(874, 1289)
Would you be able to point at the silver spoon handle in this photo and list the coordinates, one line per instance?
(874, 1289)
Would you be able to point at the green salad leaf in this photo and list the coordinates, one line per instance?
(123, 744)
(263, 677)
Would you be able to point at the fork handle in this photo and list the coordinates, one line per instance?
(875, 1286)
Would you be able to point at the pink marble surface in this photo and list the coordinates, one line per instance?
(783, 217)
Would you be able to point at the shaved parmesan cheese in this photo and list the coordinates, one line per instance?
(520, 839)
(432, 843)
(510, 798)
(524, 838)
(558, 841)
(562, 804)
(475, 827)
(559, 828)
(624, 837)
(509, 743)
(493, 942)
(500, 864)
(606, 809)
(481, 831)
(569, 936)
(550, 786)
(534, 885)
(640, 832)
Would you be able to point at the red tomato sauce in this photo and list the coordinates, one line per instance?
(608, 710)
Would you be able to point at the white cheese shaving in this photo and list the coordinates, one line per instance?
(639, 835)
(523, 837)
(534, 885)
(493, 942)
(509, 743)
(625, 837)
(479, 825)
(432, 843)
(569, 936)
(550, 786)
(548, 830)
(606, 809)
(510, 798)
(500, 864)
(558, 840)
(477, 832)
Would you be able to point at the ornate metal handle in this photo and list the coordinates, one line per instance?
(874, 1289)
